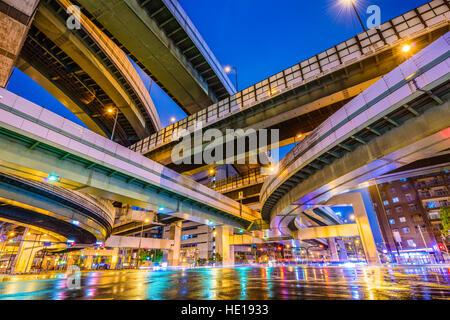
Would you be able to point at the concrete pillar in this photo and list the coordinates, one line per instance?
(88, 262)
(114, 258)
(173, 258)
(223, 234)
(70, 260)
(362, 221)
(15, 19)
(342, 252)
(27, 250)
(332, 248)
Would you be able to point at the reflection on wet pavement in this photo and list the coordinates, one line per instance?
(293, 282)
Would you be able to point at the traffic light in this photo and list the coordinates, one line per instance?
(441, 246)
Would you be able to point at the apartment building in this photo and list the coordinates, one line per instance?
(409, 216)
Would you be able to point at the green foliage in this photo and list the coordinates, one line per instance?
(215, 257)
(445, 217)
(201, 261)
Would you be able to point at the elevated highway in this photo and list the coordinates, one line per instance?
(72, 214)
(401, 118)
(299, 98)
(88, 73)
(169, 48)
(38, 142)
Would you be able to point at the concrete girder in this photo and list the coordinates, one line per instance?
(63, 136)
(154, 50)
(60, 95)
(56, 31)
(405, 144)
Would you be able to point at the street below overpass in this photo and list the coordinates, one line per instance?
(245, 282)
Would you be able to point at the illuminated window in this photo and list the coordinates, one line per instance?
(411, 243)
(402, 219)
(391, 221)
(385, 202)
(405, 230)
(395, 199)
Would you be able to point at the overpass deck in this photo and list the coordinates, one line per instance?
(275, 99)
(402, 117)
(169, 48)
(34, 138)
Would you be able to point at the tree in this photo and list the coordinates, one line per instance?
(445, 217)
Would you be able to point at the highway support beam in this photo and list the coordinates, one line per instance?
(360, 228)
(15, 20)
(173, 258)
(27, 250)
(223, 247)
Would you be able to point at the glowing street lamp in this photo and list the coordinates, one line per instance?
(352, 3)
(352, 217)
(406, 48)
(172, 119)
(211, 172)
(52, 178)
(111, 111)
(229, 69)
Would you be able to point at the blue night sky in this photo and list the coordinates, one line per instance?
(258, 37)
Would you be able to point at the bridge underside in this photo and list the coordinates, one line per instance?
(171, 52)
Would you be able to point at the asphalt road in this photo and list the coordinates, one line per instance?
(294, 282)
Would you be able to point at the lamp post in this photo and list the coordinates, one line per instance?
(110, 111)
(356, 11)
(228, 69)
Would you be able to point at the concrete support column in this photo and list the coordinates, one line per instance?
(114, 258)
(15, 19)
(333, 251)
(223, 234)
(27, 250)
(342, 252)
(69, 261)
(88, 262)
(173, 258)
(362, 222)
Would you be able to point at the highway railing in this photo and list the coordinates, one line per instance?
(428, 17)
(99, 207)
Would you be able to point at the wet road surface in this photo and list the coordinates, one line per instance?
(294, 282)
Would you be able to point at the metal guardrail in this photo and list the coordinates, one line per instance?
(252, 177)
(409, 25)
(98, 206)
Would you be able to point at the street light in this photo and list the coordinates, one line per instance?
(228, 69)
(172, 119)
(406, 48)
(111, 111)
(352, 3)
